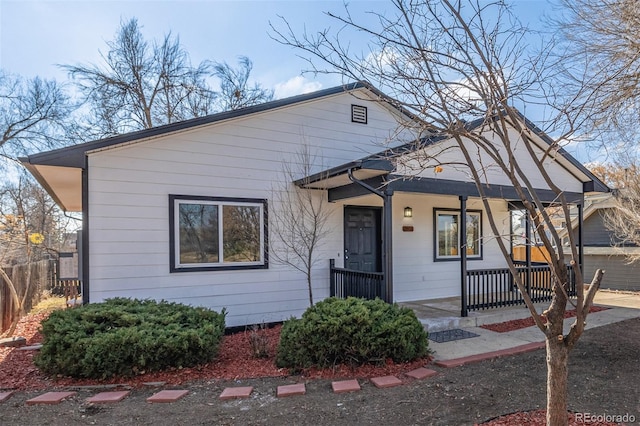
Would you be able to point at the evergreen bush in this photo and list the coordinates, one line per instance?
(125, 337)
(352, 330)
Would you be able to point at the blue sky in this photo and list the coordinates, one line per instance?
(35, 35)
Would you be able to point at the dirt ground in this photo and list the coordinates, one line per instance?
(604, 380)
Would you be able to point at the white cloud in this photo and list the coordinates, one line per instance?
(381, 59)
(295, 86)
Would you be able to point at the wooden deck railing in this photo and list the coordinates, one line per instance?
(348, 282)
(495, 288)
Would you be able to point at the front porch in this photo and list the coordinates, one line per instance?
(482, 290)
(445, 234)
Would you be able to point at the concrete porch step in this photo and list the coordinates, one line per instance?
(444, 314)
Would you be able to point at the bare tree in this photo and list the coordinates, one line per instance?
(235, 90)
(623, 218)
(454, 63)
(27, 210)
(31, 229)
(140, 84)
(617, 175)
(602, 55)
(299, 228)
(32, 113)
(600, 59)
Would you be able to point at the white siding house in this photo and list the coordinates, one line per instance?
(132, 189)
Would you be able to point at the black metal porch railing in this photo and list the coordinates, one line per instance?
(348, 282)
(494, 288)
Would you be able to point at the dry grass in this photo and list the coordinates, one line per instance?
(48, 304)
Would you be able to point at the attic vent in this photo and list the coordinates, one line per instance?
(359, 114)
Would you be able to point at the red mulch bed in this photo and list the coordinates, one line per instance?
(16, 367)
(538, 418)
(503, 327)
(234, 361)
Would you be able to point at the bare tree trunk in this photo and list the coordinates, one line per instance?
(15, 315)
(310, 289)
(557, 376)
(12, 288)
(557, 351)
(309, 283)
(18, 303)
(27, 288)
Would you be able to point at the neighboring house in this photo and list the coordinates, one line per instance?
(602, 250)
(181, 212)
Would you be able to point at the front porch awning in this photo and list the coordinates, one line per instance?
(377, 173)
(365, 169)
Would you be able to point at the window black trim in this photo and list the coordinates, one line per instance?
(435, 236)
(172, 243)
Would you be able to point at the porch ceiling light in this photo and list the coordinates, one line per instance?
(408, 212)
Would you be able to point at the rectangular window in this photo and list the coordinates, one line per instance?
(447, 238)
(213, 233)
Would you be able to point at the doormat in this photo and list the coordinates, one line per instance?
(451, 335)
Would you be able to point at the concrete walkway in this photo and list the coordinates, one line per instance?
(622, 306)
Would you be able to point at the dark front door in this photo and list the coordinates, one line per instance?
(362, 239)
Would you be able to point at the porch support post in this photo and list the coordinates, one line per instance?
(387, 234)
(332, 278)
(387, 252)
(527, 221)
(511, 233)
(462, 235)
(84, 243)
(580, 235)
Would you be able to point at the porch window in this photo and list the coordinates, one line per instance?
(213, 233)
(448, 237)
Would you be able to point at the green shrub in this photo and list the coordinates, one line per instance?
(352, 330)
(125, 337)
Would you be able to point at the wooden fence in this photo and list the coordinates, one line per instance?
(42, 278)
(538, 253)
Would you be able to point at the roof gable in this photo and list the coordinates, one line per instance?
(307, 109)
(559, 156)
(386, 163)
(74, 156)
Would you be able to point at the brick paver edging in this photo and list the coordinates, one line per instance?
(291, 390)
(385, 381)
(168, 396)
(50, 398)
(236, 393)
(344, 386)
(108, 397)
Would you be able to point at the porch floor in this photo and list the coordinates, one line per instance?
(444, 314)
